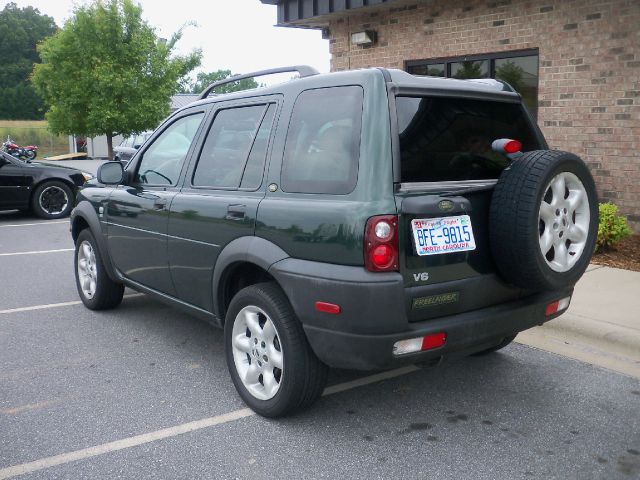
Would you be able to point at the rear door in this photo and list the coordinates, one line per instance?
(138, 213)
(447, 173)
(222, 189)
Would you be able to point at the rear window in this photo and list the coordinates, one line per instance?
(449, 139)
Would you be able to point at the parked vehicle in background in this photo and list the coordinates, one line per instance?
(129, 146)
(359, 219)
(47, 190)
(24, 153)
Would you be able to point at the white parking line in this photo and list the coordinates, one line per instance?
(137, 440)
(54, 305)
(32, 224)
(36, 252)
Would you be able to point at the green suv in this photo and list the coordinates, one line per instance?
(360, 219)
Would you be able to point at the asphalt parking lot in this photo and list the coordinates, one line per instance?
(143, 392)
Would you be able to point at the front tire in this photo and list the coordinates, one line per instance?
(270, 361)
(97, 291)
(52, 199)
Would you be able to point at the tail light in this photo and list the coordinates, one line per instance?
(381, 244)
(506, 145)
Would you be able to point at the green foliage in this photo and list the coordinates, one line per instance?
(470, 69)
(513, 74)
(203, 80)
(612, 227)
(20, 30)
(106, 72)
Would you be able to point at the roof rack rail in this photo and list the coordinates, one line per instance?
(303, 70)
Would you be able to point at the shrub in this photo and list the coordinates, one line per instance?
(612, 227)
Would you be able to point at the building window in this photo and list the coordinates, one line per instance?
(518, 68)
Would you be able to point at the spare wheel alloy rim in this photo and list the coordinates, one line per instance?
(563, 221)
(257, 352)
(87, 270)
(53, 200)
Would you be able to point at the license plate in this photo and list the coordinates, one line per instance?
(433, 236)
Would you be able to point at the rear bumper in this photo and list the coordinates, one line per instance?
(373, 316)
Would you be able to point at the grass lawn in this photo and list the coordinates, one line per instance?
(34, 132)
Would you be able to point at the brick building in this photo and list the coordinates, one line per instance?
(576, 63)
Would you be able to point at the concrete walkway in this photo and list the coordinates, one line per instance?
(602, 325)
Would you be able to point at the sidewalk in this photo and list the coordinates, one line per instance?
(602, 325)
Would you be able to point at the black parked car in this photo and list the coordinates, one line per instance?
(47, 190)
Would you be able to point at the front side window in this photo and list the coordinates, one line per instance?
(323, 142)
(226, 149)
(163, 160)
(449, 139)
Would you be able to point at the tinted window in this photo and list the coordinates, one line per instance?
(162, 161)
(227, 146)
(323, 142)
(450, 138)
(252, 177)
(522, 74)
(470, 69)
(520, 71)
(432, 70)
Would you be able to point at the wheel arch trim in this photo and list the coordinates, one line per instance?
(85, 211)
(242, 250)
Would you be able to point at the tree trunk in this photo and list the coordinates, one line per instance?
(110, 145)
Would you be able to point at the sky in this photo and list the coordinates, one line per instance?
(236, 35)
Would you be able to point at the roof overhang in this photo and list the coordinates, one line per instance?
(318, 13)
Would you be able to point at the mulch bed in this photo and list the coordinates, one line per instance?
(625, 254)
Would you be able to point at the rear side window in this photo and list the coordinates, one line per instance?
(226, 150)
(323, 142)
(449, 139)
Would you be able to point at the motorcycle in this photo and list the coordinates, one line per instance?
(25, 153)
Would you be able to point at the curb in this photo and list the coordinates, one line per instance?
(607, 336)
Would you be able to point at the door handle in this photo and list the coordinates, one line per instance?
(159, 203)
(236, 212)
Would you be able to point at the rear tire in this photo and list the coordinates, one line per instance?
(543, 221)
(270, 361)
(97, 291)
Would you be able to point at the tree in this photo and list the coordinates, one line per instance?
(470, 69)
(107, 73)
(20, 30)
(512, 74)
(203, 80)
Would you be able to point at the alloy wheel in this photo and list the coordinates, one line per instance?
(257, 352)
(563, 221)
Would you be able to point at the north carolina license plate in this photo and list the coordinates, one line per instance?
(434, 236)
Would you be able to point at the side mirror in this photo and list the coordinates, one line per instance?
(137, 146)
(111, 173)
(3, 161)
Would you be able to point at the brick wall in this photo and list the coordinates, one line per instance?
(589, 76)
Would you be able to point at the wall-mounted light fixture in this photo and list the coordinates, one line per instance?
(368, 37)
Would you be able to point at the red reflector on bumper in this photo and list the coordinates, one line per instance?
(433, 341)
(557, 306)
(328, 308)
(552, 308)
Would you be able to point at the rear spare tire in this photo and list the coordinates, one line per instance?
(543, 220)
